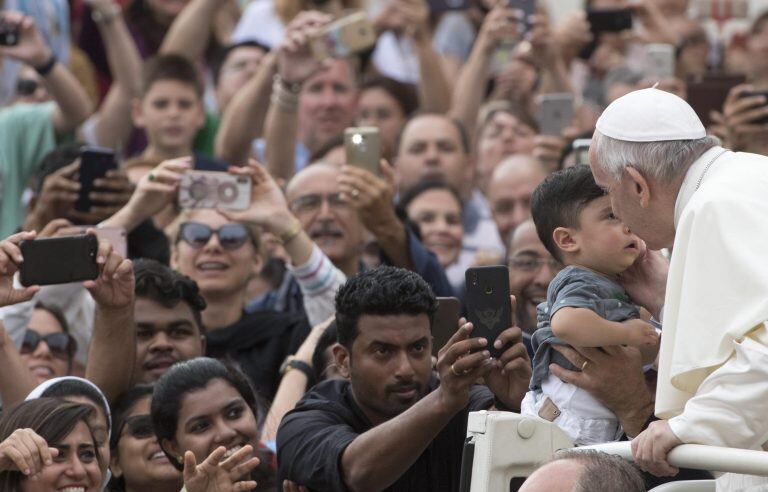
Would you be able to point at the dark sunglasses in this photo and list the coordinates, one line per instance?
(139, 426)
(231, 236)
(61, 345)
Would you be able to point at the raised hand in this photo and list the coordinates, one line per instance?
(10, 261)
(459, 368)
(369, 194)
(268, 207)
(114, 287)
(295, 61)
(214, 475)
(27, 452)
(511, 373)
(31, 48)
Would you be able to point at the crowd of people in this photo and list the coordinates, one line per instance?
(287, 344)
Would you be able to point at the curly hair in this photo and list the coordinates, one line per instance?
(168, 287)
(382, 291)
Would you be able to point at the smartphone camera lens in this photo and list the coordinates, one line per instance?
(474, 279)
(488, 290)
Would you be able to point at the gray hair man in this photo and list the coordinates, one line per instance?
(582, 471)
(677, 188)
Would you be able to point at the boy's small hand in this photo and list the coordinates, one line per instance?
(641, 332)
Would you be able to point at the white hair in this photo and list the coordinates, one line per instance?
(662, 161)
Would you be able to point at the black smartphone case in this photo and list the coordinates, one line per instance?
(446, 322)
(488, 304)
(59, 260)
(94, 164)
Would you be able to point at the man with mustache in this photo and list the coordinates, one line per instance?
(168, 323)
(391, 424)
(336, 206)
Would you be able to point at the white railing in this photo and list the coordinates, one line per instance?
(504, 445)
(699, 457)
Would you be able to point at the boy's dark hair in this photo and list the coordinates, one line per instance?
(382, 291)
(221, 57)
(168, 287)
(559, 200)
(170, 67)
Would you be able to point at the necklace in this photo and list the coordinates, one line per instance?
(706, 168)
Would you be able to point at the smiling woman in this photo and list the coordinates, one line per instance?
(138, 463)
(64, 454)
(48, 348)
(202, 405)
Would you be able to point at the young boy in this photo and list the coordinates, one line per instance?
(585, 306)
(171, 113)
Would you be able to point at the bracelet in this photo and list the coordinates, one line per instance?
(100, 17)
(291, 234)
(284, 95)
(46, 67)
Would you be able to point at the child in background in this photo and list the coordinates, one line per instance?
(585, 306)
(171, 113)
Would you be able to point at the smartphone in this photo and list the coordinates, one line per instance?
(59, 260)
(708, 93)
(445, 322)
(344, 37)
(363, 148)
(659, 61)
(555, 112)
(720, 10)
(440, 6)
(94, 164)
(609, 20)
(527, 7)
(9, 33)
(117, 236)
(764, 119)
(488, 304)
(211, 189)
(581, 151)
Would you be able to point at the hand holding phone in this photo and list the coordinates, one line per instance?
(11, 260)
(344, 37)
(95, 162)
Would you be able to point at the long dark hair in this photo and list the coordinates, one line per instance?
(51, 418)
(186, 377)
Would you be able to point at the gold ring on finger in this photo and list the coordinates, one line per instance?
(453, 370)
(584, 365)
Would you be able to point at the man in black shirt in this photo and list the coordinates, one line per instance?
(391, 425)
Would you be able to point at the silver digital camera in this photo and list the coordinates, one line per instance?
(207, 189)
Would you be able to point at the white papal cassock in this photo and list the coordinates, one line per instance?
(713, 361)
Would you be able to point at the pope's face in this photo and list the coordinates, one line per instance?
(644, 221)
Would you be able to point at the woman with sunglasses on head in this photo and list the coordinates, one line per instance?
(137, 462)
(206, 419)
(48, 349)
(47, 445)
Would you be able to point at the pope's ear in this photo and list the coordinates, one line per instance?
(638, 186)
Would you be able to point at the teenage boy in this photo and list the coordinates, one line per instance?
(171, 113)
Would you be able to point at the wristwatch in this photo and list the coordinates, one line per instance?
(291, 362)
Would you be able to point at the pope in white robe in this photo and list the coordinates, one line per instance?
(676, 188)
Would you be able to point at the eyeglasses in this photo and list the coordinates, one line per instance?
(61, 345)
(139, 426)
(529, 264)
(231, 236)
(313, 201)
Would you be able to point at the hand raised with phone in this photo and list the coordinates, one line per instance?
(10, 262)
(295, 60)
(114, 287)
(30, 48)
